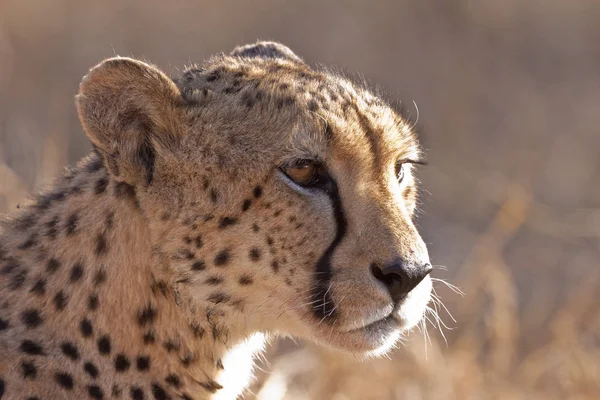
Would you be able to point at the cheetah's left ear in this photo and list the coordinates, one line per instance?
(266, 50)
(129, 110)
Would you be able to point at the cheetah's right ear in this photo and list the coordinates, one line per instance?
(129, 110)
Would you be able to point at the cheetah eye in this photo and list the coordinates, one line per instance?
(400, 171)
(305, 173)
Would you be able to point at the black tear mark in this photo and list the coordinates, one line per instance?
(320, 293)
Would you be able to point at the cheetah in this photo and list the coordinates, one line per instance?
(251, 197)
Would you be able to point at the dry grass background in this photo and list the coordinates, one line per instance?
(508, 94)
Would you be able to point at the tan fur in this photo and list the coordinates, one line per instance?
(180, 241)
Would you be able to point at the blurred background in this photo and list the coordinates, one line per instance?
(508, 96)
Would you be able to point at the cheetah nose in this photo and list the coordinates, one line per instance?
(400, 277)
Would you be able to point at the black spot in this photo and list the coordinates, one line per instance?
(248, 100)
(70, 350)
(18, 280)
(100, 277)
(101, 244)
(1, 388)
(159, 393)
(116, 391)
(220, 364)
(160, 286)
(30, 242)
(91, 369)
(227, 221)
(199, 265)
(76, 272)
(143, 363)
(146, 315)
(222, 258)
(110, 220)
(185, 397)
(275, 266)
(197, 330)
(28, 369)
(52, 231)
(45, 201)
(4, 324)
(122, 363)
(219, 297)
(86, 328)
(312, 105)
(39, 288)
(101, 186)
(137, 393)
(53, 265)
(214, 196)
(171, 346)
(95, 392)
(63, 379)
(198, 242)
(124, 191)
(93, 302)
(147, 156)
(95, 165)
(254, 254)
(246, 205)
(60, 301)
(31, 348)
(255, 228)
(71, 224)
(269, 240)
(211, 386)
(187, 360)
(214, 280)
(257, 192)
(31, 318)
(173, 380)
(104, 345)
(9, 267)
(245, 280)
(149, 337)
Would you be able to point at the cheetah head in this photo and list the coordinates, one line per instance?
(278, 197)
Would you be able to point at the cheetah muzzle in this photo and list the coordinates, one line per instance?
(252, 196)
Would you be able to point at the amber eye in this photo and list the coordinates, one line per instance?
(303, 172)
(400, 171)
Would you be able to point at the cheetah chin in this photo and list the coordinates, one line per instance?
(252, 196)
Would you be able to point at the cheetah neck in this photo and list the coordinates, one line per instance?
(86, 266)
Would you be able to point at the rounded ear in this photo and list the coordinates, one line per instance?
(127, 108)
(266, 50)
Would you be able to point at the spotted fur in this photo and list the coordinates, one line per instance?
(156, 267)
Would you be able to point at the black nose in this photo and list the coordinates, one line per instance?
(400, 278)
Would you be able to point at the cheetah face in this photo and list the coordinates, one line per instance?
(277, 196)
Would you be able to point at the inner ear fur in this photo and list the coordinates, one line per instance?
(129, 110)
